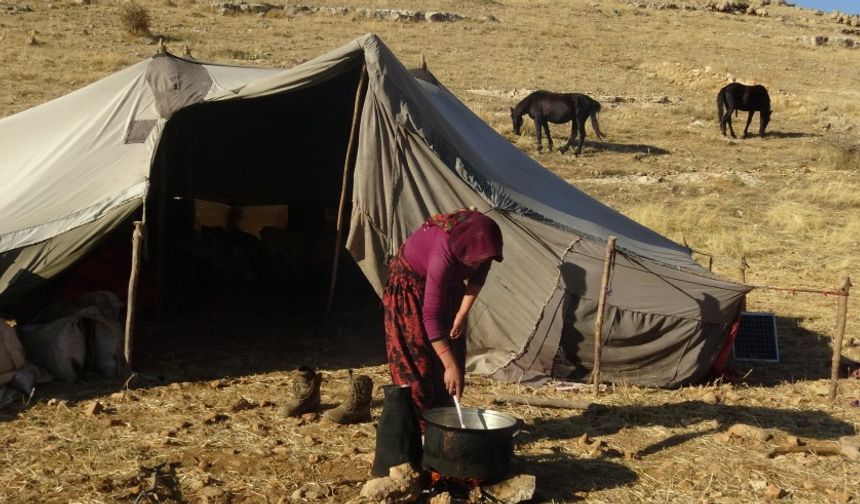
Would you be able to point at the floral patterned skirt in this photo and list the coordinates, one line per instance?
(411, 356)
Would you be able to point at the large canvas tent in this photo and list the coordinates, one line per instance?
(75, 167)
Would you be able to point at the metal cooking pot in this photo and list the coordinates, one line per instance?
(482, 450)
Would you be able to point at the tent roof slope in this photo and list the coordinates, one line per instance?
(81, 167)
(69, 162)
(505, 176)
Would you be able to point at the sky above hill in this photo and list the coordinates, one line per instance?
(849, 6)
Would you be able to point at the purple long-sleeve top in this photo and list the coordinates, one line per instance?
(428, 253)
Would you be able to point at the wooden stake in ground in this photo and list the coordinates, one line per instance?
(742, 269)
(350, 148)
(608, 261)
(742, 276)
(841, 315)
(136, 237)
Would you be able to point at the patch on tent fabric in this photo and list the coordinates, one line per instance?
(138, 131)
(176, 83)
(757, 338)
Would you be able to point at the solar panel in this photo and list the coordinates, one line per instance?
(757, 338)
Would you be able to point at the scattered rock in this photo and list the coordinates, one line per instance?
(217, 384)
(311, 417)
(309, 491)
(442, 498)
(114, 422)
(214, 418)
(758, 485)
(728, 6)
(210, 492)
(400, 15)
(749, 432)
(241, 7)
(772, 492)
(401, 486)
(710, 398)
(242, 405)
(520, 488)
(94, 408)
(850, 447)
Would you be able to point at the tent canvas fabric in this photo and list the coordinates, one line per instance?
(77, 166)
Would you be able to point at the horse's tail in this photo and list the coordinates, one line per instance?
(595, 109)
(720, 110)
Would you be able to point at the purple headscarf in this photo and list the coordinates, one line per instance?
(472, 236)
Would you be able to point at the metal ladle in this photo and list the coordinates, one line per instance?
(459, 411)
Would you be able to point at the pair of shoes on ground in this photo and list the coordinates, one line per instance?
(306, 397)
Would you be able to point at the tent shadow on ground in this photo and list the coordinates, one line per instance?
(204, 347)
(602, 420)
(214, 350)
(559, 476)
(791, 134)
(804, 355)
(652, 150)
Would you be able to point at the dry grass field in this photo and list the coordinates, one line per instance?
(789, 203)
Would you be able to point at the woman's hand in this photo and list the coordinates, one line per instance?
(457, 328)
(452, 377)
(454, 381)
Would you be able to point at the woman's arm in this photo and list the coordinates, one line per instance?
(453, 377)
(465, 306)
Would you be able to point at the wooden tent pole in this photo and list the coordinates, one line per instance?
(350, 148)
(136, 237)
(160, 245)
(608, 261)
(841, 316)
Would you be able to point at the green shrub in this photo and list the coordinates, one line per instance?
(135, 18)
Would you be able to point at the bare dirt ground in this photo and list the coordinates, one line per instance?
(211, 382)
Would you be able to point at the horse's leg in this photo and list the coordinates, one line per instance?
(580, 123)
(548, 136)
(571, 138)
(729, 111)
(538, 126)
(749, 120)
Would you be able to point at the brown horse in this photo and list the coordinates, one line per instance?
(546, 107)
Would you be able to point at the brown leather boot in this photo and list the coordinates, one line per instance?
(306, 393)
(356, 407)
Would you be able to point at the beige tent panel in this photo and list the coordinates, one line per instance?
(82, 163)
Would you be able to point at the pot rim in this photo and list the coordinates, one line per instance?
(430, 421)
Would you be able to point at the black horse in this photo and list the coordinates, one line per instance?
(546, 107)
(734, 97)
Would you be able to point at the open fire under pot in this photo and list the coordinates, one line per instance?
(465, 460)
